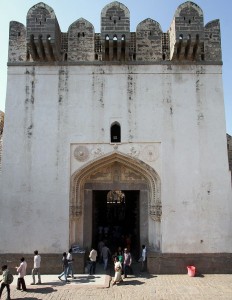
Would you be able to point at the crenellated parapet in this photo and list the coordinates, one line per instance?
(187, 39)
(81, 41)
(115, 32)
(43, 34)
(149, 41)
(187, 33)
(17, 42)
(212, 41)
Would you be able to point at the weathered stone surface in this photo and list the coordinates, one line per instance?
(187, 39)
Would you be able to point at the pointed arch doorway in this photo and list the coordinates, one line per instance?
(88, 200)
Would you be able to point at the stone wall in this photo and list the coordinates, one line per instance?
(205, 263)
(187, 39)
(229, 148)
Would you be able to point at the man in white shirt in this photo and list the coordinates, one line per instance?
(70, 263)
(93, 258)
(36, 269)
(143, 257)
(22, 269)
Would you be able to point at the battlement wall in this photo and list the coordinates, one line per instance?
(188, 39)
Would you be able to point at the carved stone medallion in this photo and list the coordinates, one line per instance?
(150, 153)
(81, 153)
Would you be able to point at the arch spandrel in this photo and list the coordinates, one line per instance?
(116, 168)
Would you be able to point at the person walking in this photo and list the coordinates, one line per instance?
(143, 258)
(118, 271)
(5, 282)
(93, 258)
(65, 268)
(36, 269)
(105, 254)
(70, 263)
(127, 262)
(21, 270)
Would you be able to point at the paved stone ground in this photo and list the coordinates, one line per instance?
(139, 286)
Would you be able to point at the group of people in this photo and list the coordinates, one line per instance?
(122, 264)
(67, 264)
(7, 277)
(122, 261)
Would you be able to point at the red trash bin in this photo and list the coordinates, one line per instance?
(191, 271)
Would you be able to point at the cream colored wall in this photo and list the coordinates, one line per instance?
(178, 107)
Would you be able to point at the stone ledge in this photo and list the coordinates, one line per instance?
(176, 263)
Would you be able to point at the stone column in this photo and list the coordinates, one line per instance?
(143, 217)
(88, 218)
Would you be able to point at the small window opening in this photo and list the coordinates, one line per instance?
(115, 133)
(114, 21)
(83, 34)
(110, 18)
(119, 18)
(19, 33)
(164, 56)
(45, 19)
(189, 22)
(40, 22)
(78, 35)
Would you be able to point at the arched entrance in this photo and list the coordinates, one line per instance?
(88, 200)
(116, 219)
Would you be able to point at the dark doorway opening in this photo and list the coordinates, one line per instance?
(116, 220)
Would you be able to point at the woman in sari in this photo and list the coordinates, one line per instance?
(118, 271)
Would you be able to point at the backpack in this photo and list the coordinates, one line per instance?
(10, 278)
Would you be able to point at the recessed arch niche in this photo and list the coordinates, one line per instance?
(113, 172)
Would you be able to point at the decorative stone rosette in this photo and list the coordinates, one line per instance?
(81, 153)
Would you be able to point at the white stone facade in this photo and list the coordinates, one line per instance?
(172, 121)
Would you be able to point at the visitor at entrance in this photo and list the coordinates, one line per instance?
(118, 271)
(105, 254)
(127, 262)
(70, 263)
(65, 268)
(36, 269)
(100, 245)
(22, 272)
(143, 258)
(93, 258)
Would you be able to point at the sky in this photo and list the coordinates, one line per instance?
(161, 11)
